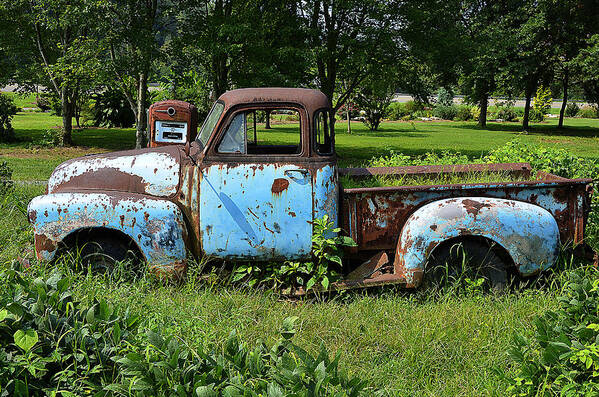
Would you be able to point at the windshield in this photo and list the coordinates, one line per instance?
(210, 123)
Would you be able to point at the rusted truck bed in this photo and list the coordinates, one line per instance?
(374, 216)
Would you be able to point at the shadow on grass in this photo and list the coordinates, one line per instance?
(101, 138)
(535, 129)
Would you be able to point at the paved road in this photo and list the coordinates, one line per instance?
(397, 98)
(519, 102)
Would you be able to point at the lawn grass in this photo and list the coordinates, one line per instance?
(26, 100)
(581, 137)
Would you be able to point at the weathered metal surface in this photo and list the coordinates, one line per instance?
(175, 111)
(374, 216)
(527, 232)
(256, 211)
(155, 172)
(371, 268)
(326, 193)
(156, 226)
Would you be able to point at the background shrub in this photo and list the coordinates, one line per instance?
(444, 97)
(536, 115)
(396, 111)
(588, 112)
(543, 100)
(7, 111)
(110, 109)
(572, 109)
(445, 112)
(464, 113)
(507, 113)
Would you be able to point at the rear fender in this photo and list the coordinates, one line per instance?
(157, 226)
(527, 232)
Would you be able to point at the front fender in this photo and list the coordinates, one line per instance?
(527, 232)
(156, 226)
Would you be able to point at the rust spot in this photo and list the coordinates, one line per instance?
(122, 220)
(43, 243)
(433, 227)
(473, 207)
(292, 214)
(279, 186)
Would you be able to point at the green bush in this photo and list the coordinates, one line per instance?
(422, 113)
(445, 112)
(536, 115)
(562, 356)
(572, 109)
(549, 159)
(464, 113)
(396, 111)
(7, 111)
(507, 113)
(51, 344)
(444, 97)
(543, 100)
(589, 112)
(110, 109)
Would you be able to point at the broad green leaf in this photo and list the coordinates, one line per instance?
(25, 339)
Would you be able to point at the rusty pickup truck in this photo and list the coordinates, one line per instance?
(243, 192)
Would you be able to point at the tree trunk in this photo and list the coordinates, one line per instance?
(564, 101)
(140, 116)
(267, 126)
(482, 117)
(526, 111)
(67, 117)
(348, 117)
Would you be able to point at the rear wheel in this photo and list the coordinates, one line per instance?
(454, 261)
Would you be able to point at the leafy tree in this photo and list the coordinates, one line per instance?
(373, 97)
(52, 39)
(349, 40)
(587, 65)
(241, 43)
(131, 35)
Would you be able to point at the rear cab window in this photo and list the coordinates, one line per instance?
(323, 132)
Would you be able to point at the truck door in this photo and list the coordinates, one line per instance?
(256, 187)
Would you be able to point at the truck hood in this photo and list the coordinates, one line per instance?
(146, 171)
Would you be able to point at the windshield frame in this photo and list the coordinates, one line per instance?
(204, 124)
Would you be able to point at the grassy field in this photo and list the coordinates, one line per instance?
(404, 343)
(581, 137)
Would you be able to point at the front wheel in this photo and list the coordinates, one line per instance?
(455, 261)
(102, 254)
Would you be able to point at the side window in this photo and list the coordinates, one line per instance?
(263, 131)
(234, 140)
(322, 130)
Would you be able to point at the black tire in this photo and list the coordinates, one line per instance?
(472, 258)
(100, 254)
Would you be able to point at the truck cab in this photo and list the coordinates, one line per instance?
(260, 189)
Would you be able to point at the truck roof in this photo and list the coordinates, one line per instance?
(311, 100)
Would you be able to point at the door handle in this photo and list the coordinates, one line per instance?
(298, 170)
